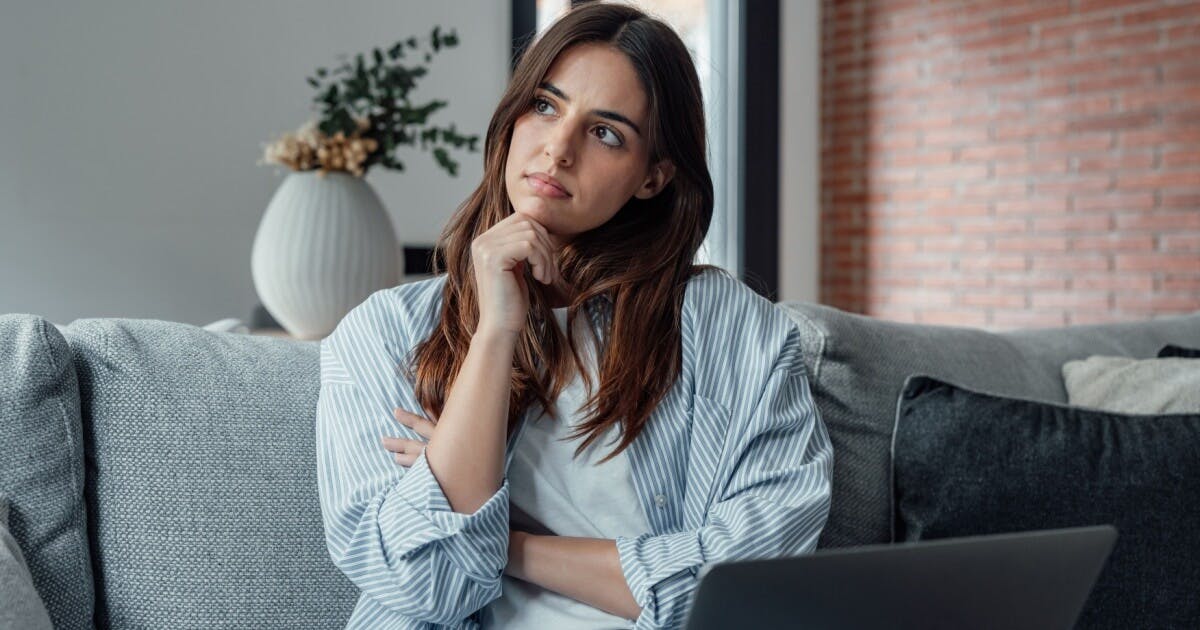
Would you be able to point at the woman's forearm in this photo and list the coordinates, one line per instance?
(466, 451)
(584, 569)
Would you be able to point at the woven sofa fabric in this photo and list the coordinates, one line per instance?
(202, 478)
(858, 366)
(41, 465)
(1047, 349)
(20, 606)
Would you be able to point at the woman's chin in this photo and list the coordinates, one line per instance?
(535, 210)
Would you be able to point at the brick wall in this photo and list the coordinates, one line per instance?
(1009, 163)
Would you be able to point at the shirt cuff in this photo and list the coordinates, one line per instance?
(477, 543)
(649, 559)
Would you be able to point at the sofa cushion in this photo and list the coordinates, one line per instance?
(968, 463)
(1125, 385)
(22, 608)
(858, 364)
(201, 478)
(41, 466)
(1172, 350)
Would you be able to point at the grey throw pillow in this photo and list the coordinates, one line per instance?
(41, 465)
(202, 483)
(1127, 385)
(20, 606)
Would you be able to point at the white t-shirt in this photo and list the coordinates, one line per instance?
(551, 490)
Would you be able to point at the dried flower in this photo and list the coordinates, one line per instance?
(309, 149)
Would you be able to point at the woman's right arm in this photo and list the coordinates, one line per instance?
(429, 541)
(466, 450)
(389, 528)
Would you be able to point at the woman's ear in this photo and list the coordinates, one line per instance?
(660, 175)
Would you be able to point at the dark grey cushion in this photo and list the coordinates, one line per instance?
(857, 367)
(968, 463)
(20, 606)
(41, 465)
(202, 478)
(1179, 351)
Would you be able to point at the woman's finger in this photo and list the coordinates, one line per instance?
(515, 227)
(551, 251)
(517, 222)
(537, 254)
(512, 223)
(553, 242)
(405, 460)
(402, 445)
(526, 246)
(422, 426)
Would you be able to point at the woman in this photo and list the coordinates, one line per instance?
(557, 470)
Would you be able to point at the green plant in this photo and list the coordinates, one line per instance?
(366, 113)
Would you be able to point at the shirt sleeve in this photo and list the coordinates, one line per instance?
(773, 502)
(389, 529)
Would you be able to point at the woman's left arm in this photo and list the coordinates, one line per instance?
(773, 495)
(776, 504)
(584, 569)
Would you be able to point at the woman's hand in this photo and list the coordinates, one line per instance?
(499, 257)
(405, 451)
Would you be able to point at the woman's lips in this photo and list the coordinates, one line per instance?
(544, 188)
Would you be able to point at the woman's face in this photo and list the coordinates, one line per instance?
(584, 129)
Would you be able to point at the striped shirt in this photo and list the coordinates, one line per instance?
(734, 463)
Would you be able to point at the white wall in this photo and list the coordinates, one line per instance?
(800, 150)
(129, 133)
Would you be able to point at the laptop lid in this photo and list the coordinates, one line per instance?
(1022, 580)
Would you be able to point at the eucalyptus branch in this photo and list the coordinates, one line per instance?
(371, 101)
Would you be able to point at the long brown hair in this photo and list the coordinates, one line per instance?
(640, 260)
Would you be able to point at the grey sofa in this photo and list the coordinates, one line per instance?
(161, 475)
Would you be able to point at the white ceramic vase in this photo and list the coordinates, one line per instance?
(323, 246)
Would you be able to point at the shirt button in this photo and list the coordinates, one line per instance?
(660, 500)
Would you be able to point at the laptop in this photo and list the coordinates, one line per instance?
(1024, 580)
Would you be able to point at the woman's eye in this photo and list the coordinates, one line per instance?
(542, 106)
(608, 137)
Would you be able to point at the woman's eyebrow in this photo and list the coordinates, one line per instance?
(603, 113)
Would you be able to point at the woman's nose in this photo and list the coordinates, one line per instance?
(560, 146)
